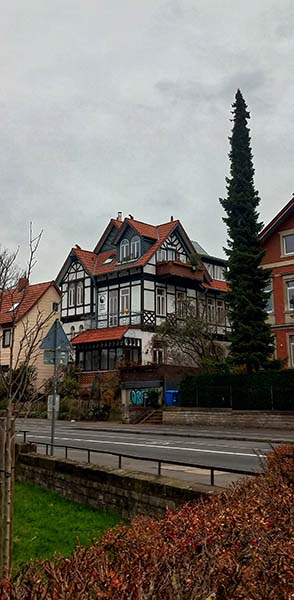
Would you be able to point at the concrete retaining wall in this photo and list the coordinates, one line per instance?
(227, 418)
(127, 493)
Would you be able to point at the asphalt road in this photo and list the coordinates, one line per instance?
(234, 454)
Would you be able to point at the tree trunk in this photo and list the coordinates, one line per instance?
(7, 445)
(2, 489)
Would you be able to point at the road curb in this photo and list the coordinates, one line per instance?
(242, 438)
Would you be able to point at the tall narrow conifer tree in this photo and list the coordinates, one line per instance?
(251, 339)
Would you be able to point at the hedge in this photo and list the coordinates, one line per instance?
(267, 390)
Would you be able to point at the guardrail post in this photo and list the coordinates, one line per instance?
(159, 467)
(89, 455)
(119, 461)
(46, 449)
(212, 476)
(24, 437)
(66, 451)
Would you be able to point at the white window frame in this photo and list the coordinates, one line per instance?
(113, 308)
(7, 333)
(124, 249)
(79, 293)
(71, 294)
(290, 234)
(211, 317)
(161, 255)
(158, 356)
(290, 306)
(161, 302)
(180, 304)
(125, 301)
(135, 246)
(270, 291)
(220, 311)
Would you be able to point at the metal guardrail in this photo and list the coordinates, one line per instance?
(121, 455)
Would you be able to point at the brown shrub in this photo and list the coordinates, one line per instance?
(238, 545)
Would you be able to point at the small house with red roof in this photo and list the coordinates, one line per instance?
(26, 314)
(278, 242)
(138, 275)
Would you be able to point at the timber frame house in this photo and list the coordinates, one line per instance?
(138, 275)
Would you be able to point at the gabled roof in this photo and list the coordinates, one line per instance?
(99, 263)
(22, 301)
(277, 220)
(112, 223)
(143, 229)
(100, 335)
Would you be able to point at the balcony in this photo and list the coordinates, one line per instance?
(174, 269)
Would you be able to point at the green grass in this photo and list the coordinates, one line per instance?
(45, 524)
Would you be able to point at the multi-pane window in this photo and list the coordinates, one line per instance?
(161, 255)
(171, 254)
(269, 290)
(158, 356)
(211, 310)
(180, 304)
(288, 241)
(161, 302)
(220, 312)
(135, 246)
(113, 307)
(125, 300)
(290, 294)
(124, 249)
(71, 294)
(80, 293)
(6, 340)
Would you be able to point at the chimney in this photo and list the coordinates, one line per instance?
(23, 283)
(171, 218)
(119, 216)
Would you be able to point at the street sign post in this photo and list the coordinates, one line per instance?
(56, 349)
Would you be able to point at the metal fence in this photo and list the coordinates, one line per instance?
(160, 462)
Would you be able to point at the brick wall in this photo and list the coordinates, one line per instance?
(228, 418)
(127, 493)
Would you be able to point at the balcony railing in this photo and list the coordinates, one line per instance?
(175, 268)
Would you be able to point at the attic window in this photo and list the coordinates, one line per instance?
(108, 260)
(14, 306)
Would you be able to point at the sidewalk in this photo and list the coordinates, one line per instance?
(251, 435)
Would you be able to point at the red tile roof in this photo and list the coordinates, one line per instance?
(144, 229)
(26, 299)
(94, 263)
(100, 335)
(216, 284)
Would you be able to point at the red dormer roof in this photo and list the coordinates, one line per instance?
(22, 301)
(144, 229)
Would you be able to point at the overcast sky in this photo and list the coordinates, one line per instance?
(111, 105)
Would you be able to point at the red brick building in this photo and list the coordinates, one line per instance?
(278, 242)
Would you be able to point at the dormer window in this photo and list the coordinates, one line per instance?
(124, 249)
(135, 246)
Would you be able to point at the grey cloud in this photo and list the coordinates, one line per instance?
(109, 106)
